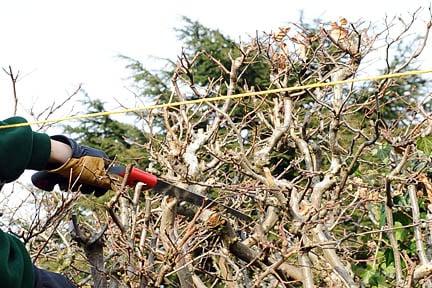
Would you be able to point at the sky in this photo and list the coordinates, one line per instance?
(57, 45)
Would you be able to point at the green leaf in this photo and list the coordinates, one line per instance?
(389, 257)
(412, 248)
(402, 217)
(424, 144)
(382, 219)
(367, 274)
(373, 277)
(355, 168)
(383, 152)
(400, 233)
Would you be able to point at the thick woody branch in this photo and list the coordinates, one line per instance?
(306, 270)
(251, 257)
(389, 216)
(412, 191)
(280, 128)
(333, 259)
(322, 186)
(93, 248)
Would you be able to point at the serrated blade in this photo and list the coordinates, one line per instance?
(166, 188)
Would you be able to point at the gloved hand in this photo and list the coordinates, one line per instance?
(47, 180)
(85, 170)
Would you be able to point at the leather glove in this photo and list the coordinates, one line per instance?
(85, 170)
(47, 180)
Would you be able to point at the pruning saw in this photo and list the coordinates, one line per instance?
(163, 187)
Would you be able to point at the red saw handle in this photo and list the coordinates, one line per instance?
(135, 175)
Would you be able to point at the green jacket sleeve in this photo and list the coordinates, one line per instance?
(16, 268)
(20, 149)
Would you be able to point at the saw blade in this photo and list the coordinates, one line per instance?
(166, 188)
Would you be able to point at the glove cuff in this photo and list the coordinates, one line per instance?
(79, 150)
(72, 143)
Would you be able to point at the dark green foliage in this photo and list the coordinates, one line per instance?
(197, 38)
(117, 139)
(151, 85)
(424, 144)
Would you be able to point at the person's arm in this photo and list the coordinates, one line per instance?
(16, 268)
(58, 159)
(20, 148)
